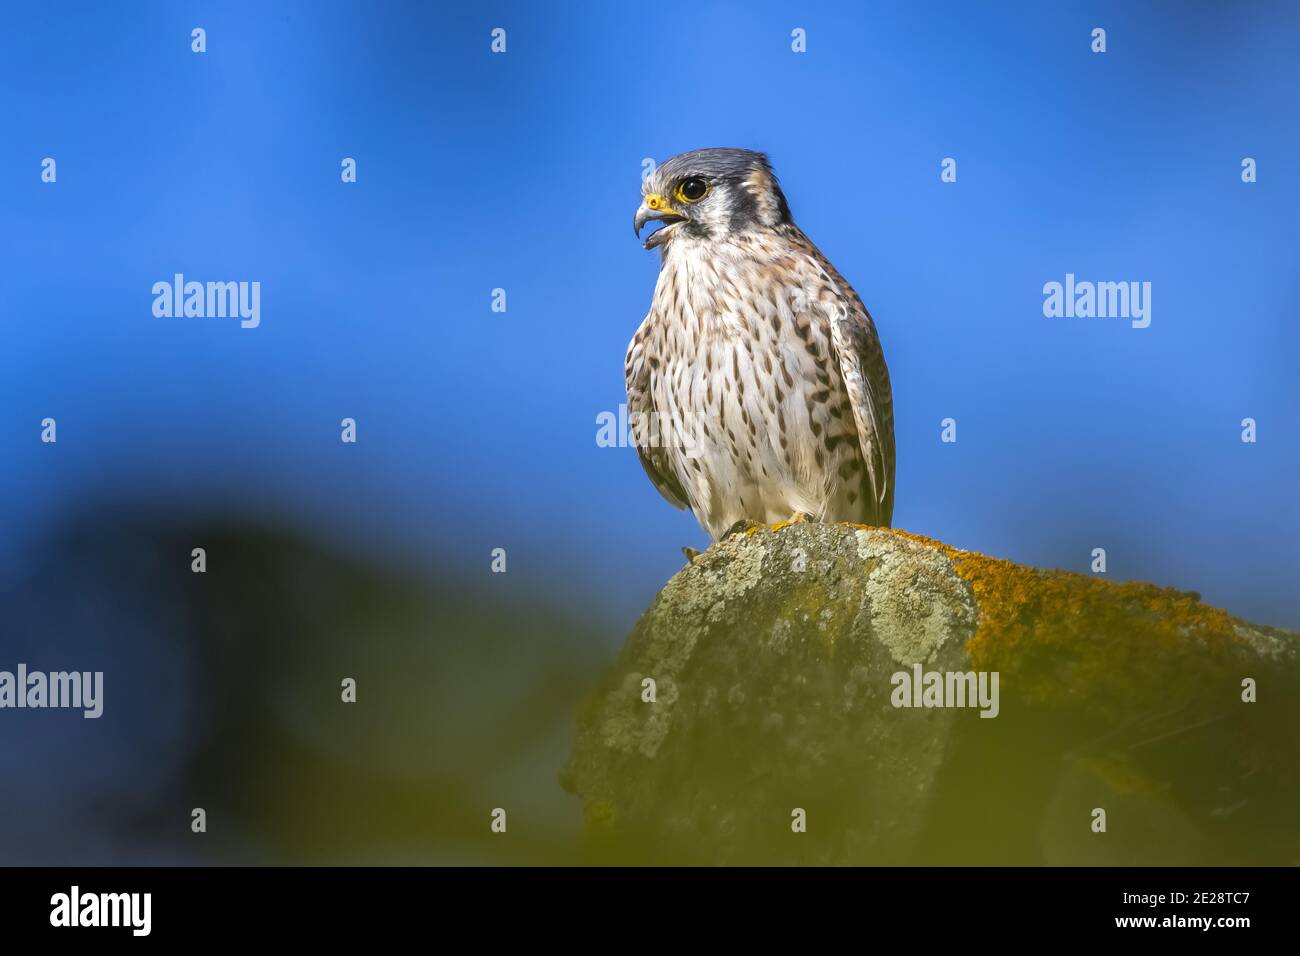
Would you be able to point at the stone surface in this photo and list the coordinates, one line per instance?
(773, 659)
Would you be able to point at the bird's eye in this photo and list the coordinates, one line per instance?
(692, 190)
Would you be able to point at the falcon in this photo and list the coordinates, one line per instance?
(756, 386)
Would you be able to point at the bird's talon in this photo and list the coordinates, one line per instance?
(691, 555)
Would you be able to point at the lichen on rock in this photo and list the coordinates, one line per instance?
(776, 657)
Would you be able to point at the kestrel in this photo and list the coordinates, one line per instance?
(757, 389)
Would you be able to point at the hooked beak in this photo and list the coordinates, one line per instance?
(654, 207)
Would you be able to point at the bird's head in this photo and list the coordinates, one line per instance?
(711, 194)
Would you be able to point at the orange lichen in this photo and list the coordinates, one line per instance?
(1053, 632)
(1061, 638)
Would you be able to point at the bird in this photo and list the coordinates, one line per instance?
(757, 390)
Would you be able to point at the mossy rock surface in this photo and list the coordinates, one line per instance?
(773, 659)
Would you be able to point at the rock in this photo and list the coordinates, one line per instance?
(778, 658)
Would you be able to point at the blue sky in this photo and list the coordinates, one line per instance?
(521, 171)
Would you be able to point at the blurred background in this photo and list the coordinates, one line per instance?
(477, 429)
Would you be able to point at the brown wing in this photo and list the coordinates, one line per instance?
(862, 364)
(640, 408)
